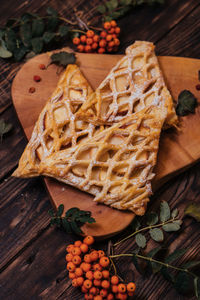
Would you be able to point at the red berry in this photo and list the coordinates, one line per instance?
(31, 90)
(89, 41)
(83, 39)
(103, 34)
(111, 44)
(102, 43)
(111, 30)
(116, 42)
(37, 78)
(94, 46)
(42, 67)
(88, 48)
(96, 38)
(90, 33)
(109, 37)
(107, 25)
(80, 48)
(198, 87)
(101, 50)
(76, 41)
(117, 30)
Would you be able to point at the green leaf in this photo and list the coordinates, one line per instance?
(10, 39)
(38, 27)
(174, 226)
(136, 261)
(140, 240)
(193, 210)
(152, 218)
(30, 54)
(52, 23)
(175, 255)
(197, 287)
(48, 37)
(75, 228)
(26, 17)
(57, 222)
(187, 103)
(63, 58)
(60, 210)
(4, 128)
(51, 12)
(63, 30)
(25, 34)
(71, 211)
(107, 18)
(135, 224)
(164, 211)
(66, 225)
(167, 275)
(190, 264)
(37, 44)
(19, 52)
(175, 213)
(182, 282)
(156, 267)
(4, 53)
(101, 9)
(51, 212)
(86, 219)
(153, 252)
(156, 234)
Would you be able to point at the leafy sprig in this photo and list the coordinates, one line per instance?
(115, 9)
(187, 103)
(157, 224)
(73, 219)
(62, 58)
(4, 128)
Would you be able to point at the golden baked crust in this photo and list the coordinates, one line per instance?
(134, 83)
(116, 165)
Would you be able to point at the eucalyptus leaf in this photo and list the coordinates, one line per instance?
(48, 37)
(38, 27)
(20, 52)
(10, 39)
(175, 255)
(187, 103)
(26, 34)
(63, 58)
(170, 227)
(164, 211)
(197, 287)
(156, 234)
(4, 52)
(152, 218)
(140, 240)
(63, 30)
(60, 210)
(193, 210)
(52, 24)
(175, 213)
(37, 44)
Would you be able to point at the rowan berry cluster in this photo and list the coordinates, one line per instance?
(89, 270)
(107, 41)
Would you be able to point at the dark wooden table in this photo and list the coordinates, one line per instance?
(32, 253)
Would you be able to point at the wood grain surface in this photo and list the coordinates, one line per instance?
(32, 254)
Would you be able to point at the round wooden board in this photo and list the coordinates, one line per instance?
(178, 149)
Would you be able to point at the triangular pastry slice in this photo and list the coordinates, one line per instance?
(56, 128)
(116, 165)
(135, 82)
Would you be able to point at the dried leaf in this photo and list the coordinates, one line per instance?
(63, 58)
(164, 211)
(152, 218)
(187, 103)
(156, 234)
(175, 255)
(140, 240)
(193, 210)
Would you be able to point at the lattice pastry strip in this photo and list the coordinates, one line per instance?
(117, 164)
(134, 83)
(57, 127)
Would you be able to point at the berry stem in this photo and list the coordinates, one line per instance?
(143, 229)
(77, 30)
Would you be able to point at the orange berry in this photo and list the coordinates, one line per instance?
(76, 260)
(110, 297)
(103, 34)
(97, 275)
(101, 253)
(79, 280)
(93, 290)
(121, 296)
(76, 41)
(79, 272)
(102, 43)
(114, 289)
(74, 282)
(114, 36)
(90, 33)
(88, 48)
(94, 46)
(87, 284)
(105, 273)
(103, 293)
(77, 243)
(111, 44)
(117, 30)
(104, 261)
(131, 287)
(69, 248)
(76, 251)
(130, 294)
(72, 275)
(101, 50)
(109, 38)
(94, 255)
(89, 240)
(80, 48)
(114, 280)
(97, 282)
(109, 49)
(89, 41)
(97, 267)
(116, 42)
(105, 284)
(86, 267)
(84, 248)
(111, 30)
(87, 258)
(83, 39)
(98, 297)
(71, 266)
(96, 38)
(107, 25)
(84, 290)
(121, 288)
(69, 257)
(113, 23)
(89, 275)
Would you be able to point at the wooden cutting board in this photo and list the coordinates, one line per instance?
(179, 149)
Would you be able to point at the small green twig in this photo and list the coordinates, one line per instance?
(144, 229)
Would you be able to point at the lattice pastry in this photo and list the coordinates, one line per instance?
(56, 128)
(134, 83)
(116, 165)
